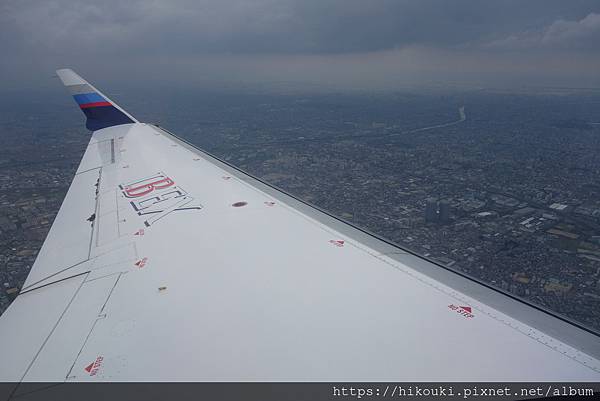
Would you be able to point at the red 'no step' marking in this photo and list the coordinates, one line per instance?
(465, 311)
(93, 368)
(141, 263)
(337, 242)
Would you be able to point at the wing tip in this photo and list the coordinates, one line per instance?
(69, 77)
(101, 112)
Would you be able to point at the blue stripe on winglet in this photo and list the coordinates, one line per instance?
(88, 98)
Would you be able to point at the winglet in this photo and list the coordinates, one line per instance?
(101, 112)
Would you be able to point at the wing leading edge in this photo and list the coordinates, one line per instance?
(158, 242)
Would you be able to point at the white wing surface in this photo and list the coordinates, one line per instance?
(165, 263)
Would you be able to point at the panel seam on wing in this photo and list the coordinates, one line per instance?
(53, 330)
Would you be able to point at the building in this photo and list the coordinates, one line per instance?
(431, 210)
(444, 212)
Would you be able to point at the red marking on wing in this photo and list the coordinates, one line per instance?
(89, 367)
(467, 308)
(141, 263)
(144, 189)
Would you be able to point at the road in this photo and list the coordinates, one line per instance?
(463, 117)
(461, 111)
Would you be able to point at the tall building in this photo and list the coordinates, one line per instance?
(431, 210)
(444, 212)
(437, 212)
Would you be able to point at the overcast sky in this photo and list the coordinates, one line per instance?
(353, 43)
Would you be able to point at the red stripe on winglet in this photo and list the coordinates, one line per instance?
(95, 104)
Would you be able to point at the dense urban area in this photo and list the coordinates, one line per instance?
(501, 186)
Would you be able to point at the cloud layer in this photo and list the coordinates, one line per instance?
(560, 35)
(212, 38)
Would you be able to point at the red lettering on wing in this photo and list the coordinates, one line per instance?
(146, 188)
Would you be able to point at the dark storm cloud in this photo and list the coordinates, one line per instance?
(263, 36)
(283, 26)
(380, 25)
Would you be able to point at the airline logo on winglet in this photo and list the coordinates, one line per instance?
(88, 100)
(100, 111)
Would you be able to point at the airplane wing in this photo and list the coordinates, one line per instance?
(166, 263)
